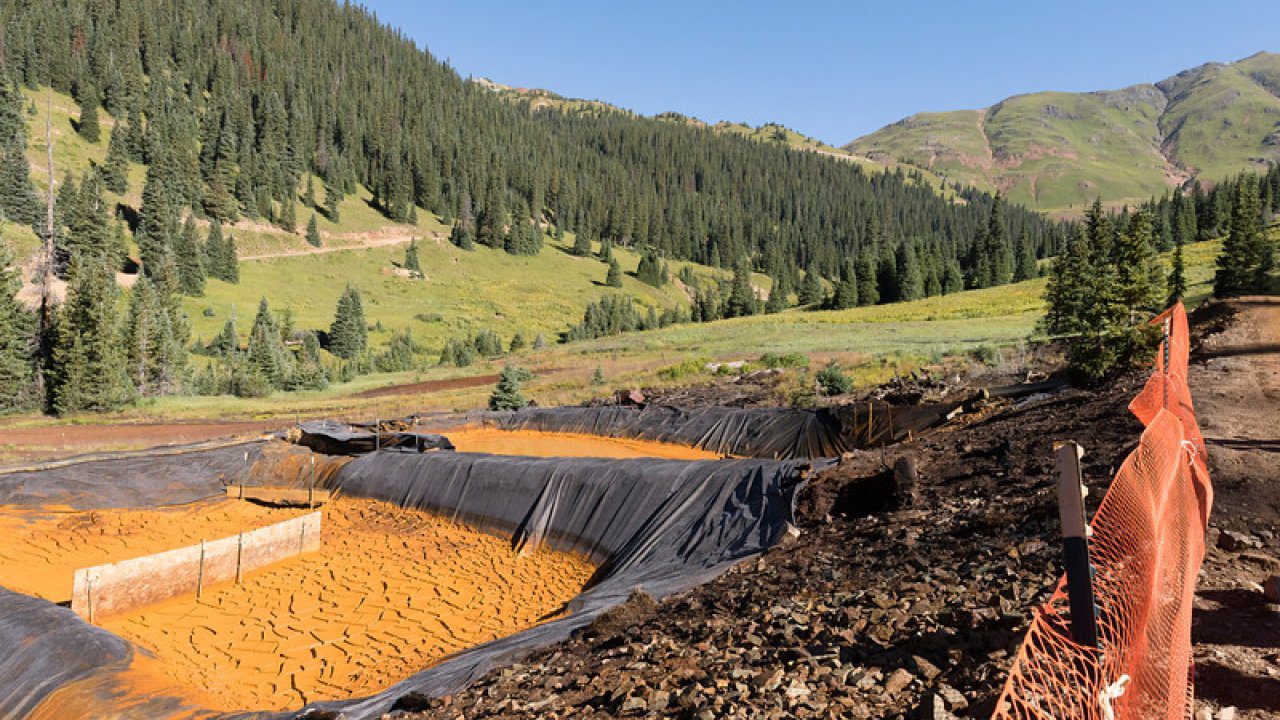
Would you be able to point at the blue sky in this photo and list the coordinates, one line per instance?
(833, 70)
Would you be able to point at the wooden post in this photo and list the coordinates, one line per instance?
(1168, 330)
(377, 434)
(1075, 544)
(200, 573)
(871, 416)
(311, 486)
(239, 557)
(88, 594)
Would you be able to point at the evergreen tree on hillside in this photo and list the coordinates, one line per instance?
(1242, 251)
(230, 263)
(115, 169)
(1025, 267)
(18, 201)
(189, 257)
(507, 394)
(1068, 287)
(742, 296)
(289, 213)
(88, 126)
(614, 277)
(461, 236)
(1177, 282)
(1002, 259)
(845, 294)
(349, 334)
(1138, 274)
(266, 355)
(649, 270)
(313, 232)
(411, 262)
(88, 368)
(17, 338)
(154, 355)
(582, 245)
(226, 343)
(84, 212)
(810, 288)
(910, 282)
(868, 287)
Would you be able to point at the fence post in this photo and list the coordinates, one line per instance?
(377, 434)
(311, 486)
(1075, 544)
(1168, 330)
(239, 557)
(200, 572)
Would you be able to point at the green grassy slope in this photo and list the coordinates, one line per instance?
(1057, 151)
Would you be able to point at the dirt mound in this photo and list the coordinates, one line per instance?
(877, 609)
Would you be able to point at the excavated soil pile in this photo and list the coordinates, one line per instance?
(390, 592)
(44, 546)
(541, 444)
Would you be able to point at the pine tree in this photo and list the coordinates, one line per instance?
(309, 197)
(88, 127)
(1026, 259)
(461, 237)
(517, 343)
(582, 245)
(742, 296)
(649, 270)
(845, 294)
(868, 287)
(910, 281)
(1068, 288)
(349, 334)
(1139, 277)
(17, 338)
(313, 232)
(18, 201)
(1002, 259)
(411, 262)
(614, 278)
(810, 288)
(150, 344)
(1238, 262)
(288, 213)
(115, 169)
(88, 367)
(507, 394)
(189, 257)
(1177, 283)
(266, 355)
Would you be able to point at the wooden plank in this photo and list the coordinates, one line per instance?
(303, 497)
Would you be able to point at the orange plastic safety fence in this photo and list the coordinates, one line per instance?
(1146, 547)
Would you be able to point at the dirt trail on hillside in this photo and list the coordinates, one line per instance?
(363, 245)
(1235, 381)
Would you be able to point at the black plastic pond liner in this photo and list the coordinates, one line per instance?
(662, 525)
(336, 438)
(43, 647)
(780, 433)
(132, 480)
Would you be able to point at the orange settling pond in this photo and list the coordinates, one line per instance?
(542, 444)
(390, 592)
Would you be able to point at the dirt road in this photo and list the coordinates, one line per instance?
(1235, 381)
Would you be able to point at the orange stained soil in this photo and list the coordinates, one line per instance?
(391, 592)
(43, 547)
(540, 444)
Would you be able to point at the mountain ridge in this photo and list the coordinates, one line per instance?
(1058, 150)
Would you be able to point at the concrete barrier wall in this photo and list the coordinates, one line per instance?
(116, 587)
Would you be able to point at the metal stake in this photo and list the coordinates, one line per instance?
(1075, 544)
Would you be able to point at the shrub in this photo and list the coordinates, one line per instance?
(832, 380)
(789, 360)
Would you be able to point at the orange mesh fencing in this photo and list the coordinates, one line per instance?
(1146, 546)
